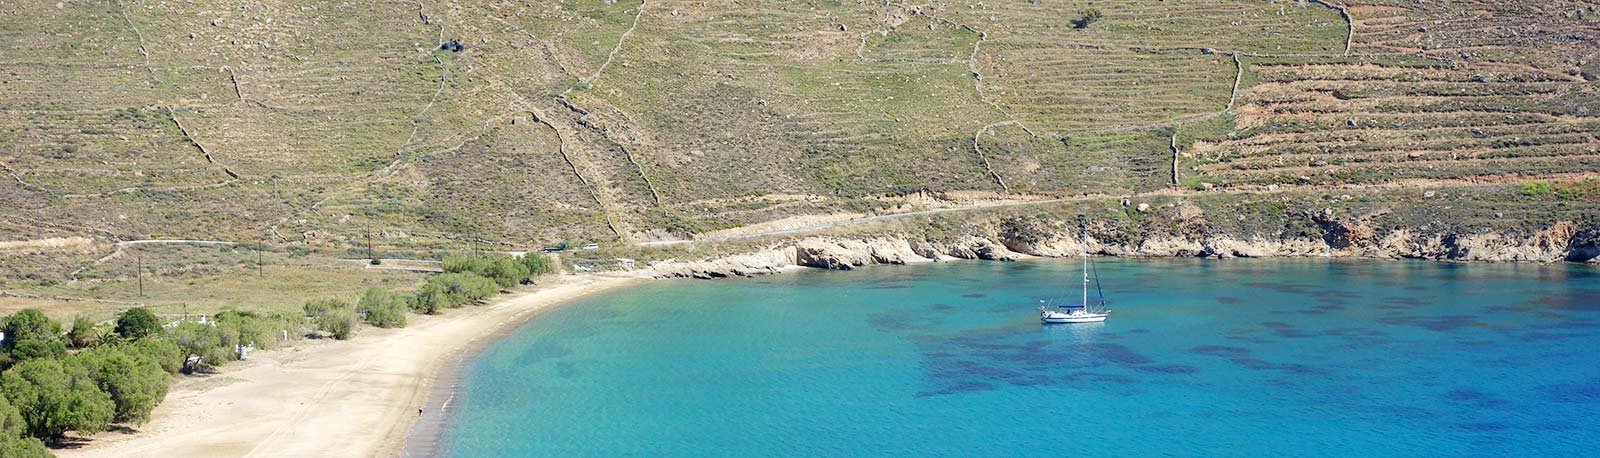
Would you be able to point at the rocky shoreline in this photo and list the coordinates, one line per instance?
(1560, 242)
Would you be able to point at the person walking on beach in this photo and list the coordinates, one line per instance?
(419, 411)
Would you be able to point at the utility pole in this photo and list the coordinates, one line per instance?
(139, 271)
(261, 270)
(370, 255)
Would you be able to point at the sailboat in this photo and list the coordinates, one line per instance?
(1080, 312)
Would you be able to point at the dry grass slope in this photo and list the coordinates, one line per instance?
(306, 124)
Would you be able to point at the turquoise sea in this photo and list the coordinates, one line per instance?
(1236, 358)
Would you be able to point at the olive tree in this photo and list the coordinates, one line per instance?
(30, 334)
(54, 397)
(137, 322)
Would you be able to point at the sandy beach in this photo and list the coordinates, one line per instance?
(354, 398)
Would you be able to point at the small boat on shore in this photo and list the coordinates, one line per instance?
(1081, 312)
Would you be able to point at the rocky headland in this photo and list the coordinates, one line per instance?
(1017, 238)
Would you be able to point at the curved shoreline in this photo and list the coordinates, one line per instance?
(358, 398)
(331, 398)
(423, 436)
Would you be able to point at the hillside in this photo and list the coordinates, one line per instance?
(310, 125)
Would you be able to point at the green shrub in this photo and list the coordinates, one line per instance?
(1537, 188)
(135, 384)
(30, 334)
(537, 264)
(381, 308)
(163, 351)
(430, 299)
(137, 322)
(82, 333)
(253, 329)
(54, 398)
(23, 447)
(11, 424)
(465, 263)
(332, 316)
(205, 341)
(12, 430)
(451, 290)
(505, 270)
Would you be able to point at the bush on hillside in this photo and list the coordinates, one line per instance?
(82, 333)
(54, 397)
(46, 394)
(459, 263)
(332, 316)
(217, 342)
(1089, 16)
(136, 383)
(537, 264)
(13, 431)
(137, 322)
(30, 334)
(23, 447)
(257, 330)
(11, 424)
(429, 299)
(452, 290)
(381, 308)
(205, 341)
(505, 270)
(163, 351)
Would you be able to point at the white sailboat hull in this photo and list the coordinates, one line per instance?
(1082, 312)
(1063, 318)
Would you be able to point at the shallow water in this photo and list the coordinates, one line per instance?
(1200, 358)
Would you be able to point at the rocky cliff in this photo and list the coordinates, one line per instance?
(1012, 239)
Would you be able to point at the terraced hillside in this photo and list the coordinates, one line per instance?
(1464, 92)
(304, 123)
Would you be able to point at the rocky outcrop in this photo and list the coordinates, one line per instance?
(926, 250)
(1261, 247)
(1341, 234)
(769, 261)
(894, 251)
(1036, 238)
(1016, 239)
(1548, 245)
(830, 254)
(974, 247)
(1340, 237)
(1158, 246)
(1585, 246)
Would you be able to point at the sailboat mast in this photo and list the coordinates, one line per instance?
(1085, 282)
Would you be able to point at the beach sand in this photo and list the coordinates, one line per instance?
(354, 398)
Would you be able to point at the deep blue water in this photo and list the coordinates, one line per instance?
(1241, 358)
